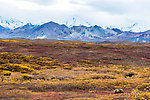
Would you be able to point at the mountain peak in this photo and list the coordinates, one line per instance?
(96, 26)
(29, 24)
(51, 22)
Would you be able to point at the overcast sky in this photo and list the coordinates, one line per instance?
(106, 13)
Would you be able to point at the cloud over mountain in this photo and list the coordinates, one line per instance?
(119, 13)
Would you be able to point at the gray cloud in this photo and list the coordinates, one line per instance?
(119, 13)
(111, 7)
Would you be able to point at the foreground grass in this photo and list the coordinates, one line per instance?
(33, 76)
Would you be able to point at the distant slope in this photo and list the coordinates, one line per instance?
(4, 32)
(24, 31)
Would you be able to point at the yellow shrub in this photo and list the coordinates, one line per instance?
(90, 43)
(26, 76)
(144, 86)
(139, 95)
(85, 61)
(67, 66)
(54, 67)
(9, 41)
(6, 73)
(59, 42)
(18, 68)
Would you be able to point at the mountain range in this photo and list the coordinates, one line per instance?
(52, 30)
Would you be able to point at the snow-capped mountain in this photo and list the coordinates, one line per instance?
(23, 31)
(52, 30)
(48, 30)
(91, 33)
(10, 23)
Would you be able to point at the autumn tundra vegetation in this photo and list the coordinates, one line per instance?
(74, 70)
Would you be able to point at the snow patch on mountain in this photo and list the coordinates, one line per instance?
(131, 27)
(76, 21)
(41, 37)
(10, 23)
